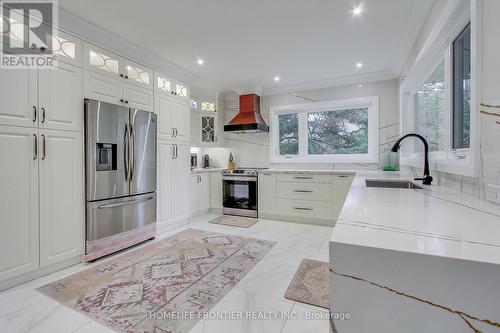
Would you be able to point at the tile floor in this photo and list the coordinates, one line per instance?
(22, 309)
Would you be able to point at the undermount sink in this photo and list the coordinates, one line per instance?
(392, 183)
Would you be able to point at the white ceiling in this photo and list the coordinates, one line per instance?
(245, 43)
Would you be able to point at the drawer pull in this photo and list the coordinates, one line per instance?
(302, 208)
(303, 191)
(302, 177)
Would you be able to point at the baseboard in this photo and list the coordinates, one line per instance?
(295, 219)
(170, 226)
(15, 281)
(200, 212)
(216, 210)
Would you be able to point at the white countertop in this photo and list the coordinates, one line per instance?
(202, 170)
(316, 172)
(432, 221)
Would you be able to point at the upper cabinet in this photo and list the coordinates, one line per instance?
(108, 63)
(168, 85)
(204, 122)
(67, 48)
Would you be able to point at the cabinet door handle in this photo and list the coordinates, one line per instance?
(302, 191)
(44, 151)
(35, 147)
(173, 151)
(302, 208)
(176, 151)
(43, 115)
(176, 132)
(302, 177)
(173, 132)
(34, 113)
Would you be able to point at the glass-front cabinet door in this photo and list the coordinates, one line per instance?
(101, 61)
(67, 48)
(207, 128)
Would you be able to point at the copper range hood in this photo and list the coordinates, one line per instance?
(248, 120)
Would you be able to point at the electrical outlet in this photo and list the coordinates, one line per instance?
(493, 194)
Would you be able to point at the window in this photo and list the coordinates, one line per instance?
(289, 134)
(344, 131)
(461, 89)
(430, 110)
(338, 132)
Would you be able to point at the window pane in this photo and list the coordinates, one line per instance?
(338, 132)
(430, 110)
(461, 90)
(289, 134)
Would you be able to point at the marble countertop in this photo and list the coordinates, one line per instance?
(201, 170)
(430, 221)
(315, 172)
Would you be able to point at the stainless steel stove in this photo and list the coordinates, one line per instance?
(240, 192)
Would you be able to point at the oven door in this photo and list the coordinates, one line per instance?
(239, 196)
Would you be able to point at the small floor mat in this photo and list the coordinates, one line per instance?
(310, 284)
(235, 221)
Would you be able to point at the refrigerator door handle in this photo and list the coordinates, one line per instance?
(125, 202)
(125, 152)
(132, 155)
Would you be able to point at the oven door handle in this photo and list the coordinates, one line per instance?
(242, 179)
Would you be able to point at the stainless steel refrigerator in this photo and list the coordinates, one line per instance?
(120, 161)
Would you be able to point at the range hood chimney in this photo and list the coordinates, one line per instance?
(249, 119)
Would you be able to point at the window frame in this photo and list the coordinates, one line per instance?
(439, 45)
(303, 109)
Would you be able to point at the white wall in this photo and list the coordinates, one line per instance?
(253, 149)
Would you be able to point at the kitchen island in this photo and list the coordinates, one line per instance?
(423, 260)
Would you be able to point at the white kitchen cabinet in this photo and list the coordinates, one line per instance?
(182, 171)
(117, 67)
(267, 194)
(181, 118)
(101, 61)
(137, 74)
(103, 88)
(60, 98)
(215, 190)
(168, 85)
(139, 98)
(174, 118)
(173, 183)
(195, 128)
(200, 193)
(163, 108)
(165, 182)
(106, 89)
(67, 47)
(19, 96)
(18, 201)
(46, 98)
(61, 196)
(306, 197)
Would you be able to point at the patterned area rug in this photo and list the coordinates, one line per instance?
(235, 221)
(153, 288)
(310, 284)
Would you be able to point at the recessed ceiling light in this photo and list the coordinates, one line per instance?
(200, 62)
(359, 65)
(277, 79)
(357, 11)
(360, 85)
